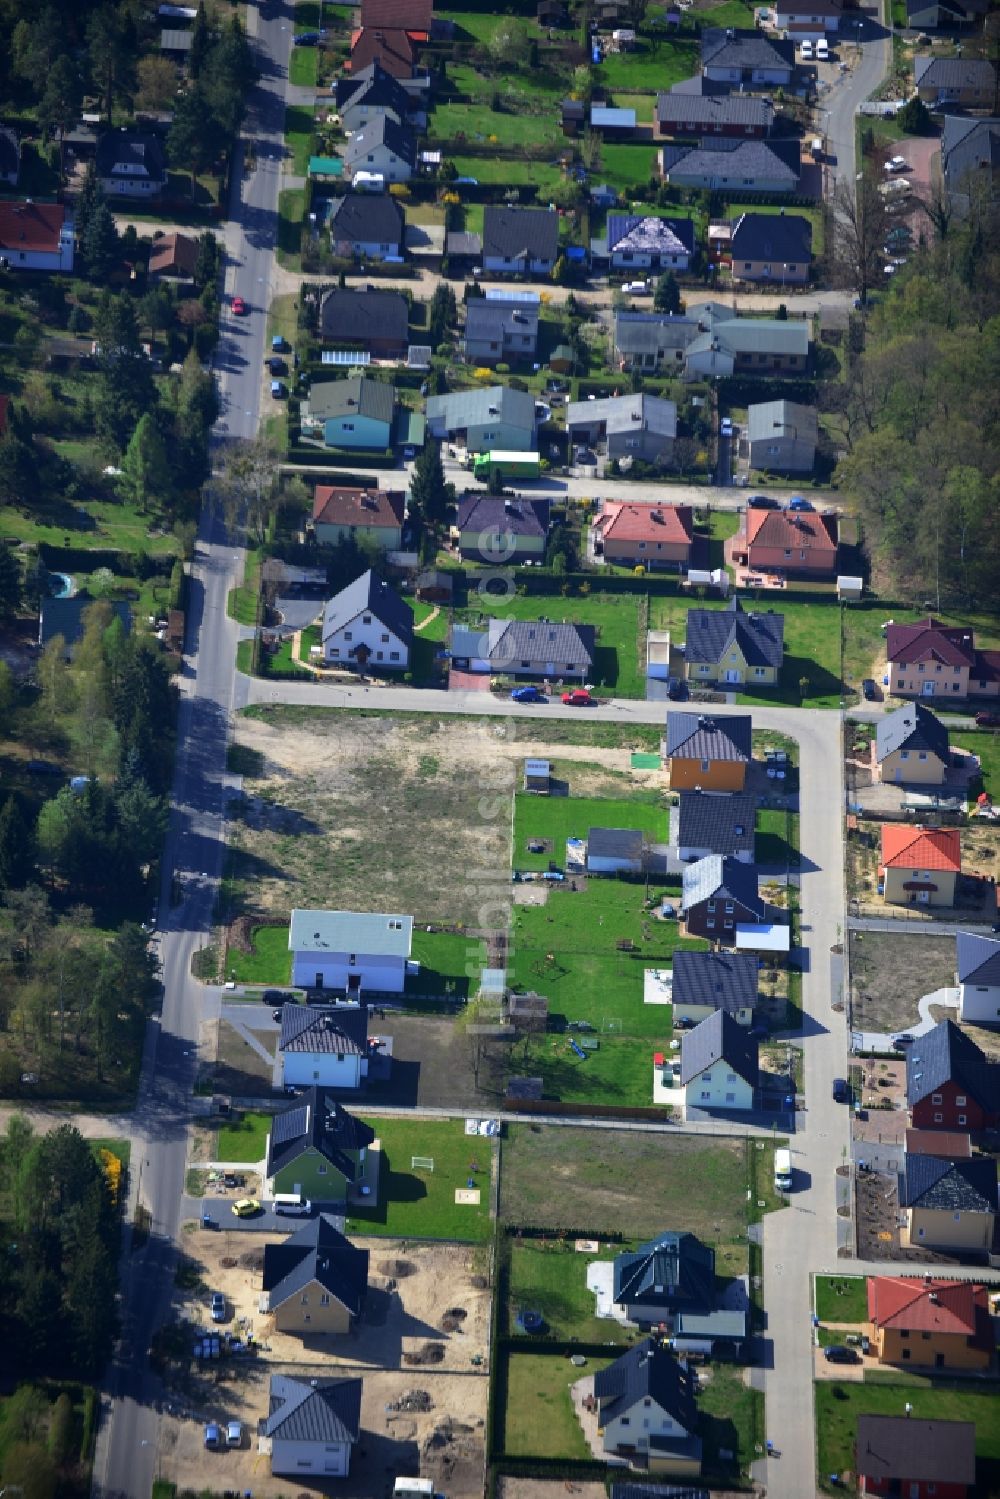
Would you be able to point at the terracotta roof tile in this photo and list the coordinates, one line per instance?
(357, 507)
(943, 1306)
(790, 529)
(621, 520)
(31, 226)
(920, 848)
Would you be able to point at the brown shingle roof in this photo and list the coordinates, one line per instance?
(174, 252)
(31, 227)
(357, 507)
(929, 640)
(788, 529)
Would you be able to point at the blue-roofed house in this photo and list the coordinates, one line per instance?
(316, 1281)
(367, 627)
(646, 1411)
(313, 1424)
(317, 1149)
(349, 950)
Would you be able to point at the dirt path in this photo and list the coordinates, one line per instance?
(425, 622)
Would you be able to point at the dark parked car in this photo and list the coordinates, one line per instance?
(868, 690)
(900, 1043)
(277, 366)
(841, 1092)
(988, 720)
(838, 1354)
(277, 997)
(763, 502)
(676, 689)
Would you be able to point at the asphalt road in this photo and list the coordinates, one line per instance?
(839, 103)
(127, 1438)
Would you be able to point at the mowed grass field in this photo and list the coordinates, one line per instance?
(417, 1203)
(539, 1420)
(616, 619)
(985, 743)
(552, 1279)
(555, 819)
(864, 643)
(477, 122)
(841, 1298)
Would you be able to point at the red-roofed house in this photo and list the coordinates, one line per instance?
(653, 535)
(372, 515)
(785, 541)
(36, 236)
(414, 16)
(940, 1324)
(393, 49)
(920, 866)
(929, 659)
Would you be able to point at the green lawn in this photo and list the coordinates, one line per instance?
(814, 215)
(558, 818)
(812, 648)
(628, 166)
(509, 170)
(986, 744)
(552, 1279)
(841, 1298)
(443, 959)
(291, 211)
(270, 962)
(655, 64)
(507, 131)
(619, 1072)
(732, 1420)
(776, 839)
(303, 66)
(299, 136)
(616, 618)
(241, 605)
(532, 87)
(838, 1406)
(245, 1140)
(539, 1420)
(864, 643)
(101, 524)
(420, 1204)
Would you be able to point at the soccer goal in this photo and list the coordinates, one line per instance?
(421, 1163)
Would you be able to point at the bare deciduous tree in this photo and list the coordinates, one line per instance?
(861, 221)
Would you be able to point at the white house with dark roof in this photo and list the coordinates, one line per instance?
(704, 982)
(369, 225)
(748, 57)
(978, 978)
(526, 648)
(719, 1068)
(771, 247)
(646, 1411)
(911, 746)
(721, 164)
(323, 1046)
(367, 626)
(382, 148)
(671, 1273)
(501, 329)
(524, 240)
(634, 242)
(713, 822)
(350, 950)
(131, 164)
(313, 1424)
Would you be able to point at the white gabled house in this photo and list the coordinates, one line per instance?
(350, 950)
(978, 978)
(324, 1046)
(367, 626)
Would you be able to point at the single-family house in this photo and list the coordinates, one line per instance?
(734, 645)
(949, 1205)
(919, 866)
(704, 982)
(367, 627)
(950, 82)
(707, 754)
(728, 164)
(395, 50)
(646, 1411)
(950, 1082)
(653, 341)
(911, 746)
(318, 1150)
(636, 426)
(413, 15)
(760, 346)
(10, 156)
(671, 1273)
(628, 534)
(495, 419)
(771, 247)
(313, 1424)
(374, 516)
(929, 659)
(316, 1281)
(363, 96)
(500, 330)
(174, 257)
(374, 321)
(323, 1046)
(521, 240)
(717, 895)
(932, 15)
(500, 529)
(68, 618)
(366, 225)
(812, 20)
(919, 1458)
(358, 412)
(714, 822)
(350, 950)
(640, 242)
(782, 436)
(978, 978)
(685, 116)
(970, 161)
(719, 1067)
(745, 56)
(526, 648)
(383, 148)
(131, 164)
(615, 851)
(35, 236)
(464, 250)
(785, 541)
(935, 1324)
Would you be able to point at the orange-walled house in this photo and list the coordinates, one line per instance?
(707, 754)
(938, 1324)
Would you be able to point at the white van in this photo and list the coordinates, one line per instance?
(807, 52)
(783, 1170)
(413, 1488)
(292, 1204)
(823, 50)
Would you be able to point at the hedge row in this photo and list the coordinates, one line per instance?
(87, 560)
(532, 1231)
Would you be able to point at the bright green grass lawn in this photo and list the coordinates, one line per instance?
(812, 648)
(864, 643)
(775, 832)
(436, 628)
(731, 1420)
(986, 744)
(643, 104)
(539, 1420)
(270, 962)
(655, 64)
(538, 84)
(291, 210)
(444, 959)
(102, 524)
(558, 818)
(616, 617)
(508, 170)
(553, 1280)
(303, 66)
(619, 1072)
(420, 1204)
(299, 136)
(627, 166)
(841, 1298)
(481, 25)
(506, 131)
(839, 1404)
(729, 13)
(245, 1140)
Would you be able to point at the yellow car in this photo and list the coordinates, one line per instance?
(246, 1207)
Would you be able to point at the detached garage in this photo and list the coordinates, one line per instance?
(614, 851)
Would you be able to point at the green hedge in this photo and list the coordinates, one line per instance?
(86, 560)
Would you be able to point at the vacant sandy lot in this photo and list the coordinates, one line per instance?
(412, 1291)
(338, 811)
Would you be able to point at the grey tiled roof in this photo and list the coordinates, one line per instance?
(733, 48)
(646, 1370)
(695, 736)
(743, 160)
(334, 1030)
(319, 1121)
(614, 843)
(978, 959)
(968, 145)
(723, 879)
(520, 515)
(719, 1038)
(712, 633)
(359, 395)
(358, 316)
(488, 319)
(368, 218)
(383, 130)
(953, 72)
(313, 1410)
(374, 87)
(721, 822)
(672, 1270)
(477, 408)
(641, 413)
(946, 1054)
(649, 332)
(513, 232)
(772, 236)
(965, 1186)
(705, 111)
(371, 593)
(725, 980)
(911, 727)
(319, 1252)
(517, 640)
(770, 419)
(898, 1450)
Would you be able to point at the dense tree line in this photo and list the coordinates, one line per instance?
(918, 413)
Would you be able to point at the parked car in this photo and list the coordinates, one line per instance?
(988, 720)
(676, 689)
(807, 52)
(234, 1434)
(868, 690)
(246, 1207)
(841, 1092)
(240, 308)
(277, 366)
(43, 768)
(762, 502)
(213, 1436)
(897, 164)
(900, 1043)
(836, 1353)
(279, 390)
(277, 997)
(726, 427)
(822, 50)
(683, 1023)
(579, 698)
(528, 695)
(308, 39)
(218, 1307)
(277, 1013)
(799, 502)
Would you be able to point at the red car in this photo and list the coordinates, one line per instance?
(579, 698)
(988, 720)
(239, 307)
